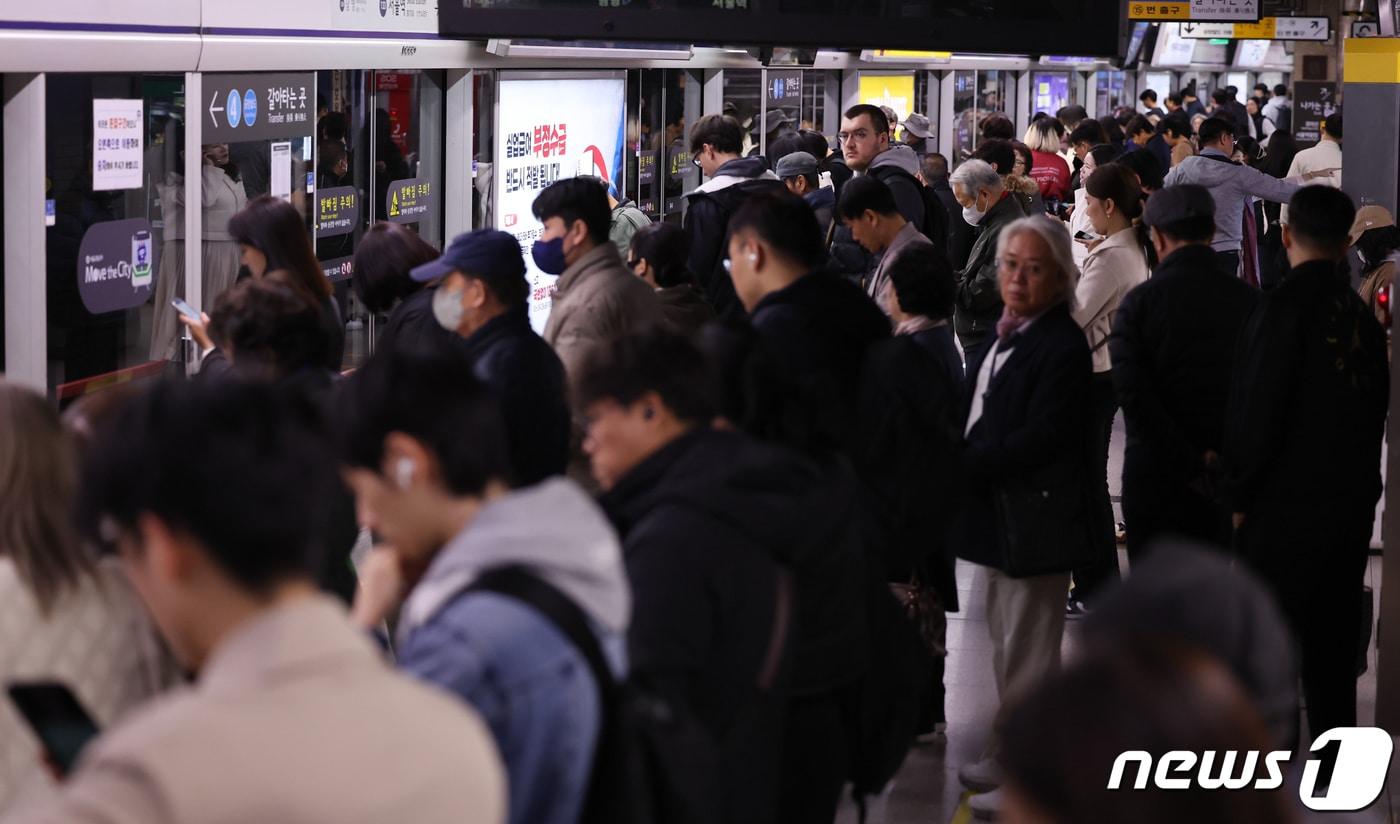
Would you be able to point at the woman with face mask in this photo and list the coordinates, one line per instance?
(1117, 263)
(1081, 229)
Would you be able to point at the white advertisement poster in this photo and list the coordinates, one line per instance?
(118, 143)
(281, 171)
(551, 129)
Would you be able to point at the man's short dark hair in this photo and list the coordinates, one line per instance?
(1088, 131)
(1261, 87)
(1333, 125)
(1146, 166)
(784, 221)
(1321, 217)
(862, 193)
(430, 393)
(719, 130)
(999, 153)
(652, 360)
(270, 329)
(1221, 96)
(935, 166)
(815, 144)
(1234, 91)
(1213, 127)
(1199, 229)
(1174, 97)
(878, 121)
(1177, 124)
(245, 468)
(577, 198)
(1148, 95)
(1280, 90)
(924, 282)
(1138, 125)
(997, 127)
(1071, 115)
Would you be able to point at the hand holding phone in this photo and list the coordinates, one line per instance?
(187, 310)
(61, 724)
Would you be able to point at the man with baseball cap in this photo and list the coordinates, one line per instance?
(1377, 243)
(799, 173)
(483, 297)
(1172, 345)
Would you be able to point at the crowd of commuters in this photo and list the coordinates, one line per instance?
(688, 554)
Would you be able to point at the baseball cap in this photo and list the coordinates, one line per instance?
(795, 164)
(482, 252)
(917, 125)
(1177, 203)
(1367, 218)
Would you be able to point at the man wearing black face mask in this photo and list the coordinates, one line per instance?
(482, 296)
(596, 298)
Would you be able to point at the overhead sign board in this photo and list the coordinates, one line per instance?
(1270, 28)
(1159, 11)
(263, 106)
(1224, 10)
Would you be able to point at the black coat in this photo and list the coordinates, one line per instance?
(819, 329)
(909, 437)
(960, 233)
(712, 600)
(528, 378)
(707, 217)
(1173, 347)
(411, 324)
(978, 298)
(850, 258)
(1308, 406)
(1036, 423)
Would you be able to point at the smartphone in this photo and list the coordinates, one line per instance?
(1083, 235)
(187, 310)
(58, 720)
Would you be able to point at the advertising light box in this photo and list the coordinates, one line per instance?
(552, 127)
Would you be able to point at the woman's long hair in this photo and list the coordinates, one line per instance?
(38, 483)
(1118, 183)
(275, 228)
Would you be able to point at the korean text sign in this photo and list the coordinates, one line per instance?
(551, 129)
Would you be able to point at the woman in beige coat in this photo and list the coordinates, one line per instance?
(64, 616)
(1115, 264)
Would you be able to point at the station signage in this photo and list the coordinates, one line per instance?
(337, 211)
(263, 106)
(408, 201)
(1313, 102)
(1201, 10)
(118, 143)
(1270, 28)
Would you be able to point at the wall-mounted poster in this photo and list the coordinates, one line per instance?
(553, 127)
(118, 143)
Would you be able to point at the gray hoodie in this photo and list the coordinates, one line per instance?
(556, 530)
(898, 155)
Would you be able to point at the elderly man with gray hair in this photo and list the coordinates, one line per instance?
(987, 204)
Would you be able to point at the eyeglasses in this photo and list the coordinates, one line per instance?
(696, 160)
(858, 134)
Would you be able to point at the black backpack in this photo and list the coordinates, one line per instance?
(935, 223)
(718, 287)
(652, 760)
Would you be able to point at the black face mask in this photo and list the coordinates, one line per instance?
(244, 272)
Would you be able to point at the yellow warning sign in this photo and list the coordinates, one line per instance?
(1159, 11)
(1263, 30)
(394, 205)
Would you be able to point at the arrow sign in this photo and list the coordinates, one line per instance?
(213, 108)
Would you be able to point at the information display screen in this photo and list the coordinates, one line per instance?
(552, 128)
(995, 26)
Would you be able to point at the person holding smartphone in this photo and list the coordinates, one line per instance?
(67, 617)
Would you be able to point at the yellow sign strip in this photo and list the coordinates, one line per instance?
(1372, 60)
(1159, 11)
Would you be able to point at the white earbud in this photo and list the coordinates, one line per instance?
(403, 472)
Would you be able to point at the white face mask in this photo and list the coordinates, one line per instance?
(447, 308)
(972, 214)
